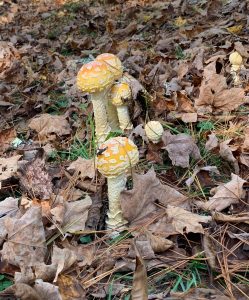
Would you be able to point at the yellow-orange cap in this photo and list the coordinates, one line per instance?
(113, 63)
(94, 76)
(119, 154)
(120, 92)
(235, 58)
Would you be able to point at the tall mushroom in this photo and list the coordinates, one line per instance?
(117, 157)
(236, 63)
(115, 66)
(154, 131)
(120, 95)
(96, 79)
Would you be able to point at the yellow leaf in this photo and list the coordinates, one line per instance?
(146, 18)
(235, 29)
(179, 22)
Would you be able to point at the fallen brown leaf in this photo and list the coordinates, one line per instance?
(8, 167)
(70, 288)
(26, 239)
(180, 148)
(237, 218)
(199, 293)
(140, 282)
(47, 290)
(226, 152)
(183, 220)
(225, 195)
(6, 137)
(84, 167)
(140, 201)
(48, 126)
(212, 142)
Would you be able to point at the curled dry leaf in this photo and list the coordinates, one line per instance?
(35, 179)
(226, 152)
(186, 221)
(237, 218)
(70, 288)
(225, 195)
(140, 281)
(197, 169)
(8, 208)
(47, 290)
(180, 148)
(8, 167)
(140, 201)
(26, 239)
(158, 243)
(212, 142)
(48, 126)
(84, 167)
(214, 93)
(209, 250)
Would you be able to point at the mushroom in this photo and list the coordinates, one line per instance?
(120, 94)
(115, 66)
(154, 131)
(96, 79)
(116, 157)
(236, 61)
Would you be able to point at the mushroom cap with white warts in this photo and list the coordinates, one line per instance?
(154, 131)
(113, 63)
(119, 93)
(235, 58)
(119, 155)
(94, 76)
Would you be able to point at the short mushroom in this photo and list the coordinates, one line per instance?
(236, 63)
(115, 66)
(96, 79)
(154, 131)
(120, 94)
(116, 157)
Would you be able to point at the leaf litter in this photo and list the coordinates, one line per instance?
(187, 201)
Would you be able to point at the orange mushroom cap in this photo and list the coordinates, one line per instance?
(120, 92)
(119, 154)
(112, 62)
(94, 76)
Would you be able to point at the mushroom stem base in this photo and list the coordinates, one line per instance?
(124, 118)
(115, 217)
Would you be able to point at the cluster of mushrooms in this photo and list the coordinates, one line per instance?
(109, 91)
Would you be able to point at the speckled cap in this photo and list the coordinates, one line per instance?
(119, 155)
(113, 63)
(119, 92)
(94, 76)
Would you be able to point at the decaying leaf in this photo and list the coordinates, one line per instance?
(47, 290)
(6, 137)
(226, 152)
(8, 208)
(214, 93)
(225, 195)
(84, 167)
(158, 243)
(212, 142)
(209, 250)
(180, 148)
(183, 220)
(70, 288)
(48, 126)
(140, 282)
(237, 218)
(211, 169)
(8, 167)
(140, 201)
(25, 244)
(35, 179)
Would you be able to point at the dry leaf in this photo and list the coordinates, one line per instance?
(140, 281)
(158, 243)
(214, 94)
(22, 291)
(237, 218)
(225, 195)
(180, 148)
(140, 201)
(199, 294)
(6, 137)
(35, 179)
(8, 167)
(8, 208)
(226, 152)
(212, 142)
(186, 221)
(197, 169)
(47, 290)
(25, 244)
(245, 146)
(48, 126)
(70, 288)
(84, 167)
(62, 259)
(209, 250)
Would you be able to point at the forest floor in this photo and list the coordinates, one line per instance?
(187, 202)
